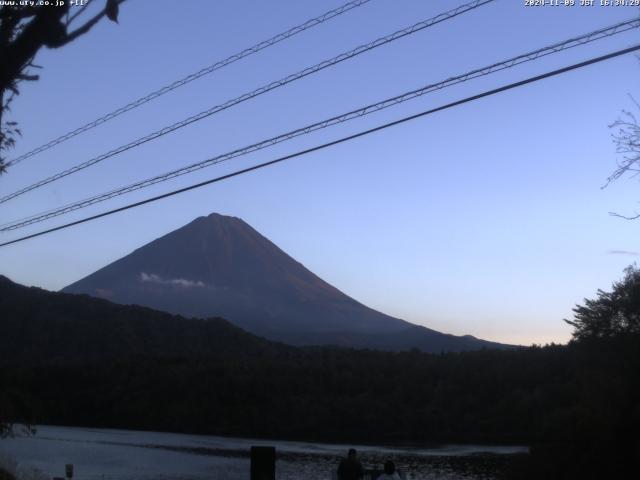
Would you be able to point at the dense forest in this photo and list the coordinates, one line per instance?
(74, 360)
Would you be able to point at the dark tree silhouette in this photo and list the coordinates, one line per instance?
(612, 313)
(24, 30)
(75, 360)
(14, 407)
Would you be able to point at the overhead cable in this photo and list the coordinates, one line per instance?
(334, 142)
(259, 91)
(495, 67)
(193, 76)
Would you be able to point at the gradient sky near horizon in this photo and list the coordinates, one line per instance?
(487, 219)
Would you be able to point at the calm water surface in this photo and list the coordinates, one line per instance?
(132, 455)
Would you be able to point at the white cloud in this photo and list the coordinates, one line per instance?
(181, 282)
(623, 252)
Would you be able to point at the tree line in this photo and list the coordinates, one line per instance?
(577, 405)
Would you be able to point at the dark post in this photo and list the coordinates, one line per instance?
(263, 463)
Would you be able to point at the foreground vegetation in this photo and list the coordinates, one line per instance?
(577, 405)
(5, 475)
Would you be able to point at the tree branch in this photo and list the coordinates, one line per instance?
(89, 24)
(635, 217)
(77, 14)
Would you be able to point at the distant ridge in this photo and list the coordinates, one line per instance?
(42, 327)
(220, 266)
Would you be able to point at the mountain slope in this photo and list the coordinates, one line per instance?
(220, 266)
(38, 326)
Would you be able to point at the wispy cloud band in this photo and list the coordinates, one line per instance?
(181, 282)
(623, 252)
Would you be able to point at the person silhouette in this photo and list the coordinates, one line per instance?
(350, 468)
(390, 472)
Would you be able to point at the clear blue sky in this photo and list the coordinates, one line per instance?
(487, 219)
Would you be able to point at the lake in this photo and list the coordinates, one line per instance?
(99, 454)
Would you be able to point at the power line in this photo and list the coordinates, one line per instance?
(514, 61)
(259, 91)
(194, 76)
(338, 141)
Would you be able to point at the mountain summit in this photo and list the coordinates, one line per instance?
(220, 266)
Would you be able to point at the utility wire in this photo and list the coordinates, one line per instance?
(338, 141)
(194, 76)
(264, 89)
(526, 57)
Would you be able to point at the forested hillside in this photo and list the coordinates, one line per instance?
(75, 360)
